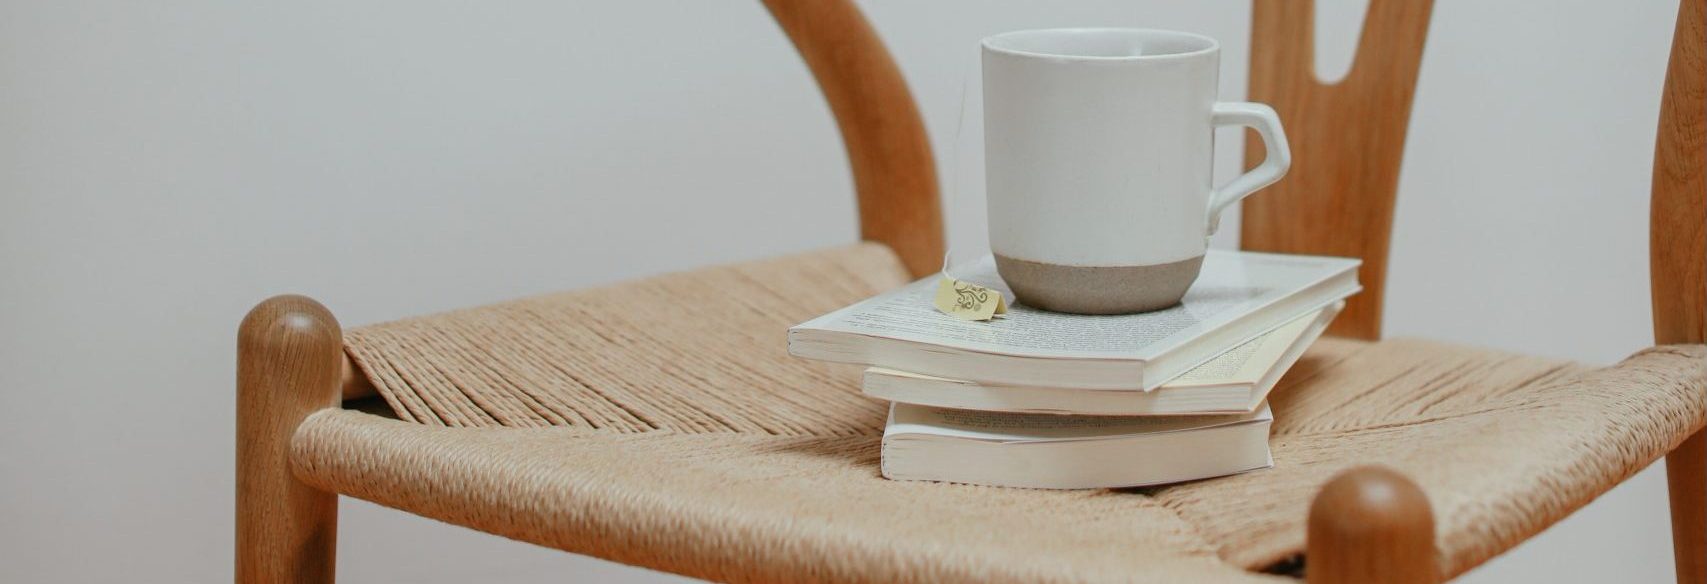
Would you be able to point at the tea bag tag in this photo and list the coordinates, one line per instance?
(963, 300)
(968, 301)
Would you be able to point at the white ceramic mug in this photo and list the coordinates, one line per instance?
(1098, 150)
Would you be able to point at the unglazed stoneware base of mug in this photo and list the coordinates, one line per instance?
(1098, 289)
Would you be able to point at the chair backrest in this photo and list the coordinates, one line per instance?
(888, 150)
(1348, 140)
(1677, 224)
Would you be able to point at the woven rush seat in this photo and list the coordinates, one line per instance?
(661, 423)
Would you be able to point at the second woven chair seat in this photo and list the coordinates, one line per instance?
(662, 423)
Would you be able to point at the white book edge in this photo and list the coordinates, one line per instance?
(1242, 392)
(1011, 451)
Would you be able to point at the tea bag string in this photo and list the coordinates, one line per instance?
(954, 172)
(955, 297)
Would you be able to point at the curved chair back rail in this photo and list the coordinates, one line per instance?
(1677, 244)
(887, 147)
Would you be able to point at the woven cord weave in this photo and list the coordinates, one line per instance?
(689, 441)
(701, 351)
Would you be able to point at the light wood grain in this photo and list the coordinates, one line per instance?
(1678, 263)
(354, 385)
(1347, 142)
(289, 364)
(1370, 524)
(1677, 243)
(887, 147)
(1686, 478)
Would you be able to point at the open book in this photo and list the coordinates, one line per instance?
(1238, 296)
(1069, 452)
(1234, 382)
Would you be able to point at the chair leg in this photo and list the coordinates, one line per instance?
(1686, 476)
(1370, 524)
(289, 364)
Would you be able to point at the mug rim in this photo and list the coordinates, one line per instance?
(989, 43)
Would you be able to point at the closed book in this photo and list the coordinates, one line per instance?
(1045, 451)
(1238, 296)
(1236, 381)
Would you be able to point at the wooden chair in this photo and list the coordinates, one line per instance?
(618, 423)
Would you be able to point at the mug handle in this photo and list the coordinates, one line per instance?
(1261, 118)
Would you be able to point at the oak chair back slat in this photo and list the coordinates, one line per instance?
(1348, 139)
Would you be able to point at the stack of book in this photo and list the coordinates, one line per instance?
(1050, 400)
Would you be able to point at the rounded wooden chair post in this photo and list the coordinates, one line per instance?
(1686, 479)
(289, 365)
(1677, 249)
(1369, 525)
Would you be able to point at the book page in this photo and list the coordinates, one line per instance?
(1232, 284)
(1249, 362)
(1021, 427)
(1225, 367)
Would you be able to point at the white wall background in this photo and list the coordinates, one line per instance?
(165, 165)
